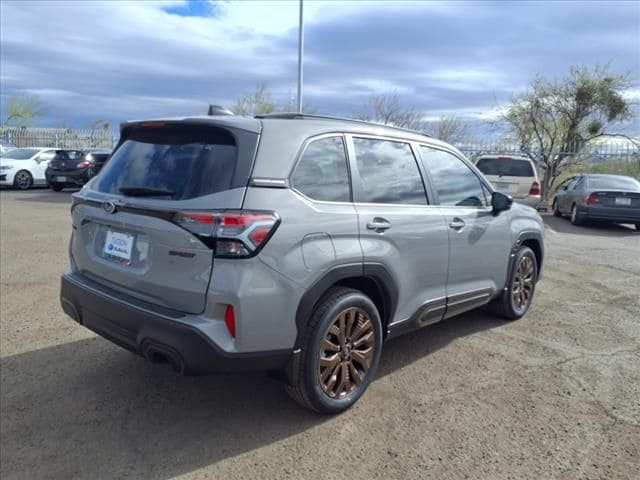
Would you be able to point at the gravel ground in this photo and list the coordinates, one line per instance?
(554, 395)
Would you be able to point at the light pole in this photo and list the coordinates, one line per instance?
(300, 53)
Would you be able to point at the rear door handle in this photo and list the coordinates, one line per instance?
(379, 224)
(457, 224)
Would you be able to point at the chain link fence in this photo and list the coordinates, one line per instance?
(59, 137)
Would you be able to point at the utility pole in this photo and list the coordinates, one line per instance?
(300, 53)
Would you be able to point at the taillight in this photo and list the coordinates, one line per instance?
(592, 199)
(83, 164)
(230, 320)
(231, 234)
(535, 189)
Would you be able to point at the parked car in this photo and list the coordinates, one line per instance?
(608, 198)
(5, 146)
(73, 168)
(513, 175)
(291, 243)
(23, 168)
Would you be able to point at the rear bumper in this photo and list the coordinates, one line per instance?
(74, 177)
(610, 214)
(155, 333)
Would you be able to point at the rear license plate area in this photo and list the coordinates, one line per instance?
(118, 246)
(622, 202)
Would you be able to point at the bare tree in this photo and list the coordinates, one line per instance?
(552, 118)
(255, 103)
(24, 108)
(387, 109)
(450, 129)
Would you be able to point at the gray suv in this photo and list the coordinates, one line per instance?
(291, 243)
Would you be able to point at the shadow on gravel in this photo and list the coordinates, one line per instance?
(593, 229)
(91, 410)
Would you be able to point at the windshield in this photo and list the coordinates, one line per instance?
(20, 153)
(188, 162)
(508, 167)
(613, 183)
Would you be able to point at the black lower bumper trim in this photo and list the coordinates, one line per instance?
(153, 335)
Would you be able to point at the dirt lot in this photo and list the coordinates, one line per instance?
(555, 395)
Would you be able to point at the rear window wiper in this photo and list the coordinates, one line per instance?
(146, 191)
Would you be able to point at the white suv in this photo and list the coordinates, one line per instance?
(513, 175)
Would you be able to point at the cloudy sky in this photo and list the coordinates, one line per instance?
(118, 60)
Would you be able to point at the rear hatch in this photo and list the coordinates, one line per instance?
(509, 175)
(66, 161)
(127, 233)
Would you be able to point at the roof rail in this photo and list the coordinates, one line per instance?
(302, 116)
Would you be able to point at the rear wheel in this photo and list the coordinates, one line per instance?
(574, 215)
(56, 187)
(518, 295)
(340, 354)
(22, 180)
(556, 209)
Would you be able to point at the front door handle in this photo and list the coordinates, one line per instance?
(378, 224)
(457, 224)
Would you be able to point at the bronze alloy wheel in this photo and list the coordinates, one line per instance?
(523, 282)
(347, 349)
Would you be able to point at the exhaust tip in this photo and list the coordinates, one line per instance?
(160, 354)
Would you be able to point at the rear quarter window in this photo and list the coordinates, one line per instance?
(191, 161)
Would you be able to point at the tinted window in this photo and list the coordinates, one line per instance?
(322, 171)
(505, 166)
(454, 181)
(388, 172)
(21, 153)
(623, 183)
(189, 161)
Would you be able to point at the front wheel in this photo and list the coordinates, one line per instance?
(556, 209)
(340, 354)
(22, 180)
(518, 295)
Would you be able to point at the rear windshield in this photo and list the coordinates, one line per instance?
(621, 183)
(190, 161)
(508, 167)
(21, 153)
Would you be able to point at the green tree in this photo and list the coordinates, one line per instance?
(23, 109)
(553, 118)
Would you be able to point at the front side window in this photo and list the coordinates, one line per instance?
(322, 171)
(454, 181)
(388, 172)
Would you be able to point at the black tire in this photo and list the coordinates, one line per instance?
(556, 209)
(637, 226)
(574, 215)
(56, 187)
(506, 306)
(308, 388)
(22, 180)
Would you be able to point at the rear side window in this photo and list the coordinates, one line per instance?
(190, 161)
(454, 181)
(507, 167)
(322, 171)
(388, 172)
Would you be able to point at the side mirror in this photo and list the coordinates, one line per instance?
(500, 202)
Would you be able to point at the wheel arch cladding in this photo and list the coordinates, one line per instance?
(374, 280)
(534, 241)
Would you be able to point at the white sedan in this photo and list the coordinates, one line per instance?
(24, 167)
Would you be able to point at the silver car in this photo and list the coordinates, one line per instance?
(291, 243)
